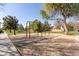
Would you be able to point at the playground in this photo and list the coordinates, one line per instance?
(48, 43)
(25, 33)
(64, 45)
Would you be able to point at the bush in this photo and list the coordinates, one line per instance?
(20, 31)
(1, 31)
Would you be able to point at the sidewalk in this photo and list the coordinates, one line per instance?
(6, 46)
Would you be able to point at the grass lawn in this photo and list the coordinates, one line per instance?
(44, 33)
(73, 33)
(69, 33)
(17, 32)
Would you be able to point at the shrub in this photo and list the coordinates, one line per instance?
(20, 31)
(1, 31)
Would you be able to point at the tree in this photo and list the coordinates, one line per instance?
(66, 10)
(46, 17)
(70, 26)
(37, 26)
(10, 23)
(46, 26)
(44, 14)
(58, 23)
(7, 24)
(20, 27)
(76, 25)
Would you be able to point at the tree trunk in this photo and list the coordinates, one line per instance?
(10, 31)
(65, 26)
(14, 32)
(26, 33)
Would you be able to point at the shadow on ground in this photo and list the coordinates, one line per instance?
(6, 46)
(50, 46)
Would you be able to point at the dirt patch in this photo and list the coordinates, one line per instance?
(50, 46)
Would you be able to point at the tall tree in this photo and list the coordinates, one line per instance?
(76, 26)
(65, 9)
(7, 23)
(20, 27)
(70, 26)
(46, 17)
(44, 14)
(10, 23)
(37, 25)
(46, 26)
(58, 23)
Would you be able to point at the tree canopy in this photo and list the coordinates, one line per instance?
(10, 22)
(64, 9)
(37, 25)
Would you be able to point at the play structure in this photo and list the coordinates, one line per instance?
(29, 34)
(30, 37)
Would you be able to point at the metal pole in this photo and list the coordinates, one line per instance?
(26, 29)
(29, 29)
(41, 34)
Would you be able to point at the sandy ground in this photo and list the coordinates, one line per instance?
(48, 45)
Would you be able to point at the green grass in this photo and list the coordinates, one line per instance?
(73, 33)
(23, 32)
(17, 32)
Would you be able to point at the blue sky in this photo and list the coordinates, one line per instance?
(23, 12)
